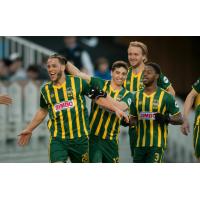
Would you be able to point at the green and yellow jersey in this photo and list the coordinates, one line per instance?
(134, 81)
(104, 123)
(150, 133)
(196, 87)
(66, 105)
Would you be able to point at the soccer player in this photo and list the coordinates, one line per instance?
(138, 56)
(152, 110)
(104, 124)
(63, 98)
(5, 99)
(185, 128)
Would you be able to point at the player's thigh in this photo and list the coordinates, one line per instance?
(57, 150)
(79, 150)
(95, 152)
(110, 151)
(155, 155)
(139, 154)
(196, 141)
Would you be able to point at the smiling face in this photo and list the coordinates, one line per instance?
(55, 69)
(119, 75)
(149, 76)
(135, 56)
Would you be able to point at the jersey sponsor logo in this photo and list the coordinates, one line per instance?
(147, 115)
(64, 105)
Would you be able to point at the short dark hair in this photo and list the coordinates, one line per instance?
(155, 66)
(119, 64)
(62, 59)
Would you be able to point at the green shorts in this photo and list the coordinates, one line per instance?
(132, 139)
(103, 151)
(148, 154)
(76, 149)
(196, 141)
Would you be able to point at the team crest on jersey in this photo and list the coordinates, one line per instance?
(147, 115)
(141, 86)
(69, 92)
(119, 98)
(127, 82)
(155, 104)
(140, 103)
(52, 95)
(64, 105)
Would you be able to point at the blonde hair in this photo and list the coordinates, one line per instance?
(141, 46)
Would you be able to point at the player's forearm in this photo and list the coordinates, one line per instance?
(76, 72)
(71, 69)
(188, 105)
(106, 103)
(120, 105)
(37, 120)
(176, 119)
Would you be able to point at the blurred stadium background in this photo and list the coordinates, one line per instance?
(22, 71)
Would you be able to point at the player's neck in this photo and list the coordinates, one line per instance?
(60, 81)
(115, 86)
(150, 89)
(138, 69)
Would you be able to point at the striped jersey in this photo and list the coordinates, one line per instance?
(144, 107)
(104, 123)
(68, 115)
(134, 81)
(196, 87)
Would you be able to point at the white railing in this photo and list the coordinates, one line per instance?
(30, 52)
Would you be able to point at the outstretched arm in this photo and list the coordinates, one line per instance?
(76, 72)
(176, 119)
(185, 128)
(106, 103)
(25, 135)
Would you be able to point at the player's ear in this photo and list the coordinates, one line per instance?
(157, 76)
(63, 67)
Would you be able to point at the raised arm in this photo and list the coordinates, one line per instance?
(25, 135)
(185, 128)
(71, 69)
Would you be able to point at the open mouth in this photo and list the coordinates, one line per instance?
(52, 75)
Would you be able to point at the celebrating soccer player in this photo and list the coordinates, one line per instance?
(104, 124)
(185, 128)
(63, 98)
(151, 111)
(138, 56)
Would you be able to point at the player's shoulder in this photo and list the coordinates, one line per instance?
(167, 95)
(43, 86)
